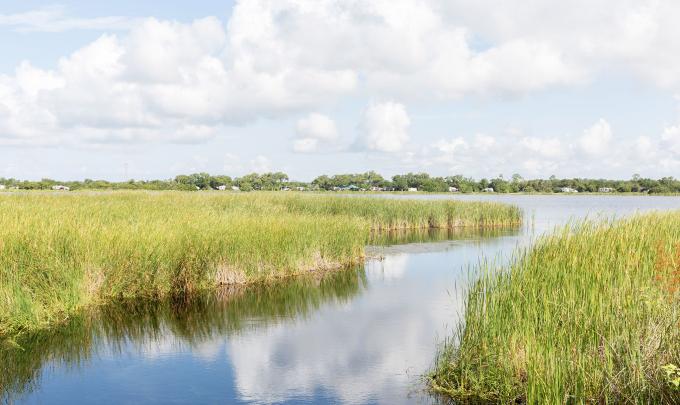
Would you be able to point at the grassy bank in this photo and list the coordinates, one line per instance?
(590, 314)
(62, 252)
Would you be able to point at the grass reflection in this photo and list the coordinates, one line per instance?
(190, 319)
(405, 236)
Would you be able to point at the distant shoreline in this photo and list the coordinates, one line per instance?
(327, 192)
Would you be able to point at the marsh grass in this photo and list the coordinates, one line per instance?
(589, 314)
(62, 252)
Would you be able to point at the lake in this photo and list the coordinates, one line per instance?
(364, 335)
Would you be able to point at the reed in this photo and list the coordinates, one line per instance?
(60, 252)
(590, 314)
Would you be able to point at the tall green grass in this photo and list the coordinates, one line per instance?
(590, 314)
(393, 214)
(63, 252)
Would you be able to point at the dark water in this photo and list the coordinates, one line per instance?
(364, 335)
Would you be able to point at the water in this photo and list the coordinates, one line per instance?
(360, 336)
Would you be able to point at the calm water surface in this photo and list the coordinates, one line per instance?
(358, 336)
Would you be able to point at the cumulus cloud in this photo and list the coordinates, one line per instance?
(313, 131)
(602, 35)
(155, 80)
(484, 142)
(451, 146)
(671, 138)
(160, 75)
(596, 139)
(163, 81)
(593, 154)
(384, 127)
(547, 147)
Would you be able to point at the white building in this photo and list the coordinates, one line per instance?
(234, 188)
(300, 188)
(605, 190)
(568, 190)
(60, 187)
(2, 187)
(412, 189)
(453, 190)
(221, 188)
(488, 190)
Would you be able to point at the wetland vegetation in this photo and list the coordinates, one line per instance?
(589, 314)
(62, 252)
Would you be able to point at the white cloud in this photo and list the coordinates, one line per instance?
(55, 19)
(484, 142)
(593, 154)
(166, 81)
(306, 145)
(627, 36)
(645, 147)
(313, 130)
(451, 146)
(160, 82)
(261, 164)
(317, 126)
(384, 127)
(161, 74)
(596, 139)
(671, 138)
(547, 147)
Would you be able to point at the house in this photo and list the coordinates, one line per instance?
(377, 189)
(222, 187)
(285, 189)
(2, 186)
(300, 188)
(412, 189)
(60, 187)
(453, 190)
(605, 190)
(488, 190)
(568, 190)
(235, 188)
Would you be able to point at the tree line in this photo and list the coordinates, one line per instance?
(365, 182)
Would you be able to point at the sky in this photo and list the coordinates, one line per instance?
(145, 90)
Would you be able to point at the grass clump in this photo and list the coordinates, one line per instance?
(62, 252)
(589, 315)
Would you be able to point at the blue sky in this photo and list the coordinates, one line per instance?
(154, 89)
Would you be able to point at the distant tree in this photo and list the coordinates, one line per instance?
(216, 181)
(246, 186)
(499, 185)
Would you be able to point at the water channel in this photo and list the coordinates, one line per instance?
(364, 335)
